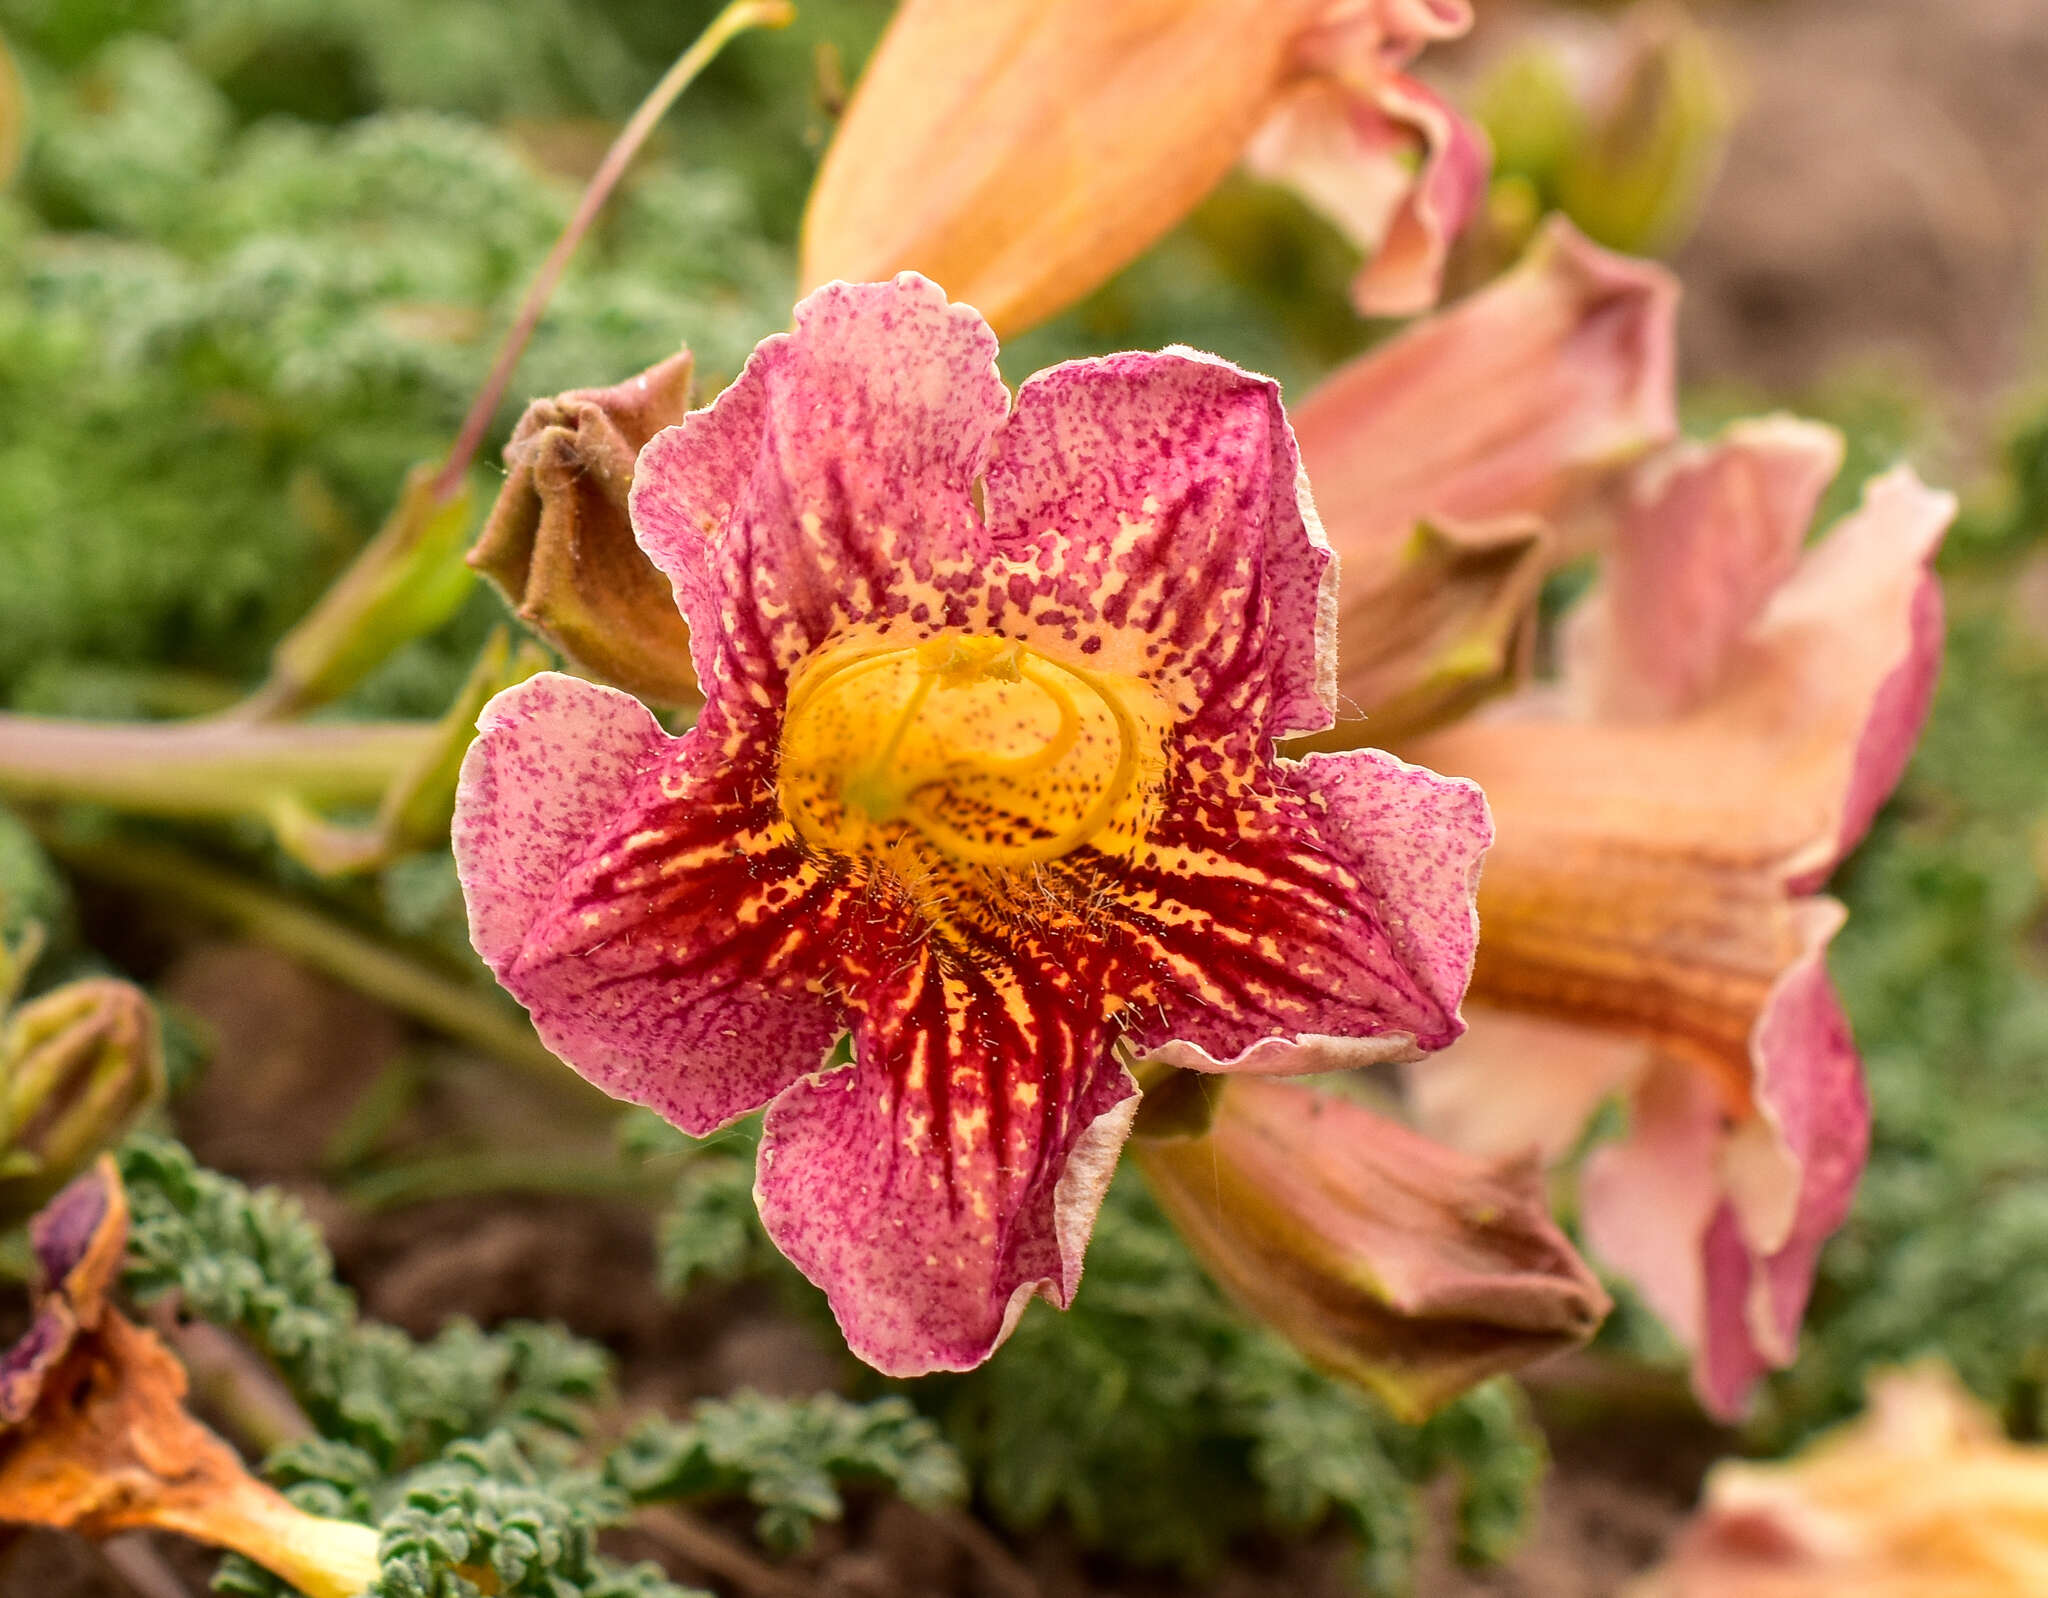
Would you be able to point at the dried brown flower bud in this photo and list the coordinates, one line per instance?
(559, 542)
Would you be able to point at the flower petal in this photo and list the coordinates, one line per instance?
(1154, 519)
(1626, 890)
(660, 925)
(1330, 924)
(1520, 400)
(1720, 1228)
(1386, 1258)
(1920, 1497)
(1863, 614)
(954, 1170)
(1642, 870)
(831, 485)
(1708, 534)
(1349, 144)
(1791, 1176)
(1021, 151)
(1648, 1200)
(1517, 1082)
(1453, 624)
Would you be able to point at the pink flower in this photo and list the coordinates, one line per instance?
(1395, 1262)
(1733, 710)
(985, 779)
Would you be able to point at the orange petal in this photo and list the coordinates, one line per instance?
(1642, 871)
(1921, 1497)
(1391, 164)
(1019, 152)
(1517, 1083)
(1390, 1260)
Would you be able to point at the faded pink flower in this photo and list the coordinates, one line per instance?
(985, 778)
(1454, 465)
(1390, 1260)
(1733, 710)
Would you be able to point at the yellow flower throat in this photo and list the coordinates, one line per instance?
(995, 754)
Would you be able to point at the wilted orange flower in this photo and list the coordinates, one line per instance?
(1732, 712)
(1922, 1497)
(94, 1437)
(1019, 152)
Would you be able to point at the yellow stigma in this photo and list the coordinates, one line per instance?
(997, 755)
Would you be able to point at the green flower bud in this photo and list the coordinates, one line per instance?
(77, 1067)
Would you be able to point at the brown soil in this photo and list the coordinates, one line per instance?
(1882, 200)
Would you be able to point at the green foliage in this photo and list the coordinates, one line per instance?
(458, 1448)
(1163, 1425)
(251, 1260)
(788, 1458)
(1151, 1416)
(710, 1230)
(483, 1518)
(483, 1512)
(33, 895)
(222, 343)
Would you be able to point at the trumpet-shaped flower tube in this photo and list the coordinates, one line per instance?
(1387, 1258)
(94, 1435)
(1734, 711)
(985, 778)
(1021, 151)
(1522, 405)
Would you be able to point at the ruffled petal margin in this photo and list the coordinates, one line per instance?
(830, 486)
(1522, 400)
(1330, 927)
(1151, 515)
(954, 1170)
(660, 927)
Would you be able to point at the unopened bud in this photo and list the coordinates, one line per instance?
(1638, 180)
(559, 542)
(1387, 1259)
(1622, 128)
(77, 1067)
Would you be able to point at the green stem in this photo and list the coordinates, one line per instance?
(735, 19)
(204, 769)
(330, 947)
(442, 1176)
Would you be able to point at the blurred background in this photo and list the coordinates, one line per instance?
(256, 255)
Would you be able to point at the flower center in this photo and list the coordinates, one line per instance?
(995, 754)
